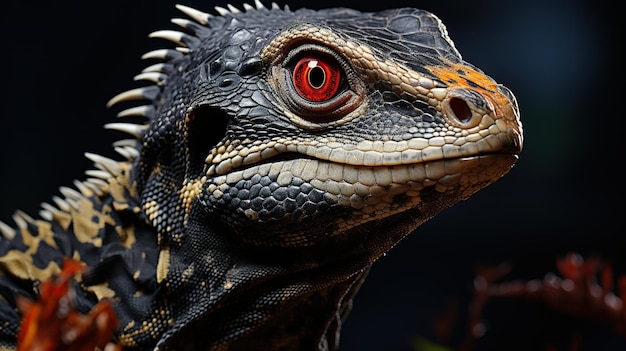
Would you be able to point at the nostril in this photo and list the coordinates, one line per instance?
(460, 109)
(465, 108)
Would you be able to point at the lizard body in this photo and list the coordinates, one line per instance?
(282, 153)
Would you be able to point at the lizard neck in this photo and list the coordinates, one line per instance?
(300, 295)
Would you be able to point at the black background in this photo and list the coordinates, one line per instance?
(61, 62)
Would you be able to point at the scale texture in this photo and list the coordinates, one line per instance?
(281, 153)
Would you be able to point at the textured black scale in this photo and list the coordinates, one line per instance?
(253, 262)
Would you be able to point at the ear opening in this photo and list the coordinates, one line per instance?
(205, 127)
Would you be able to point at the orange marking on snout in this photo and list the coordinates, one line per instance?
(462, 76)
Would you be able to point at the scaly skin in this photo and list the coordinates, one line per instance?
(262, 187)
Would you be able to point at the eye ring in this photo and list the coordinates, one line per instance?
(316, 85)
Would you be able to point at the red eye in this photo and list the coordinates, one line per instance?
(316, 79)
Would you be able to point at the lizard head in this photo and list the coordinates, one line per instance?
(313, 126)
(285, 151)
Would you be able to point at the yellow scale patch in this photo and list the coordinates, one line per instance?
(20, 264)
(151, 208)
(163, 264)
(45, 234)
(120, 185)
(102, 291)
(189, 192)
(88, 221)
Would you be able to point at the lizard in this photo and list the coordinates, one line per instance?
(278, 155)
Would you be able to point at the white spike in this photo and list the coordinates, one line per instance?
(82, 188)
(7, 231)
(233, 9)
(135, 130)
(161, 54)
(24, 215)
(159, 68)
(46, 206)
(259, 5)
(183, 50)
(199, 16)
(151, 76)
(134, 153)
(171, 35)
(101, 184)
(149, 92)
(222, 11)
(275, 6)
(70, 194)
(143, 111)
(51, 209)
(47, 215)
(176, 37)
(123, 152)
(247, 7)
(182, 22)
(62, 204)
(19, 221)
(94, 188)
(103, 175)
(98, 185)
(72, 203)
(126, 142)
(104, 163)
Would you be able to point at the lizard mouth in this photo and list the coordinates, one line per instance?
(427, 162)
(350, 181)
(287, 191)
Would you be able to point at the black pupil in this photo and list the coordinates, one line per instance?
(316, 77)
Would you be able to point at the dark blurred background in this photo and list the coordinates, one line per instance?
(62, 61)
